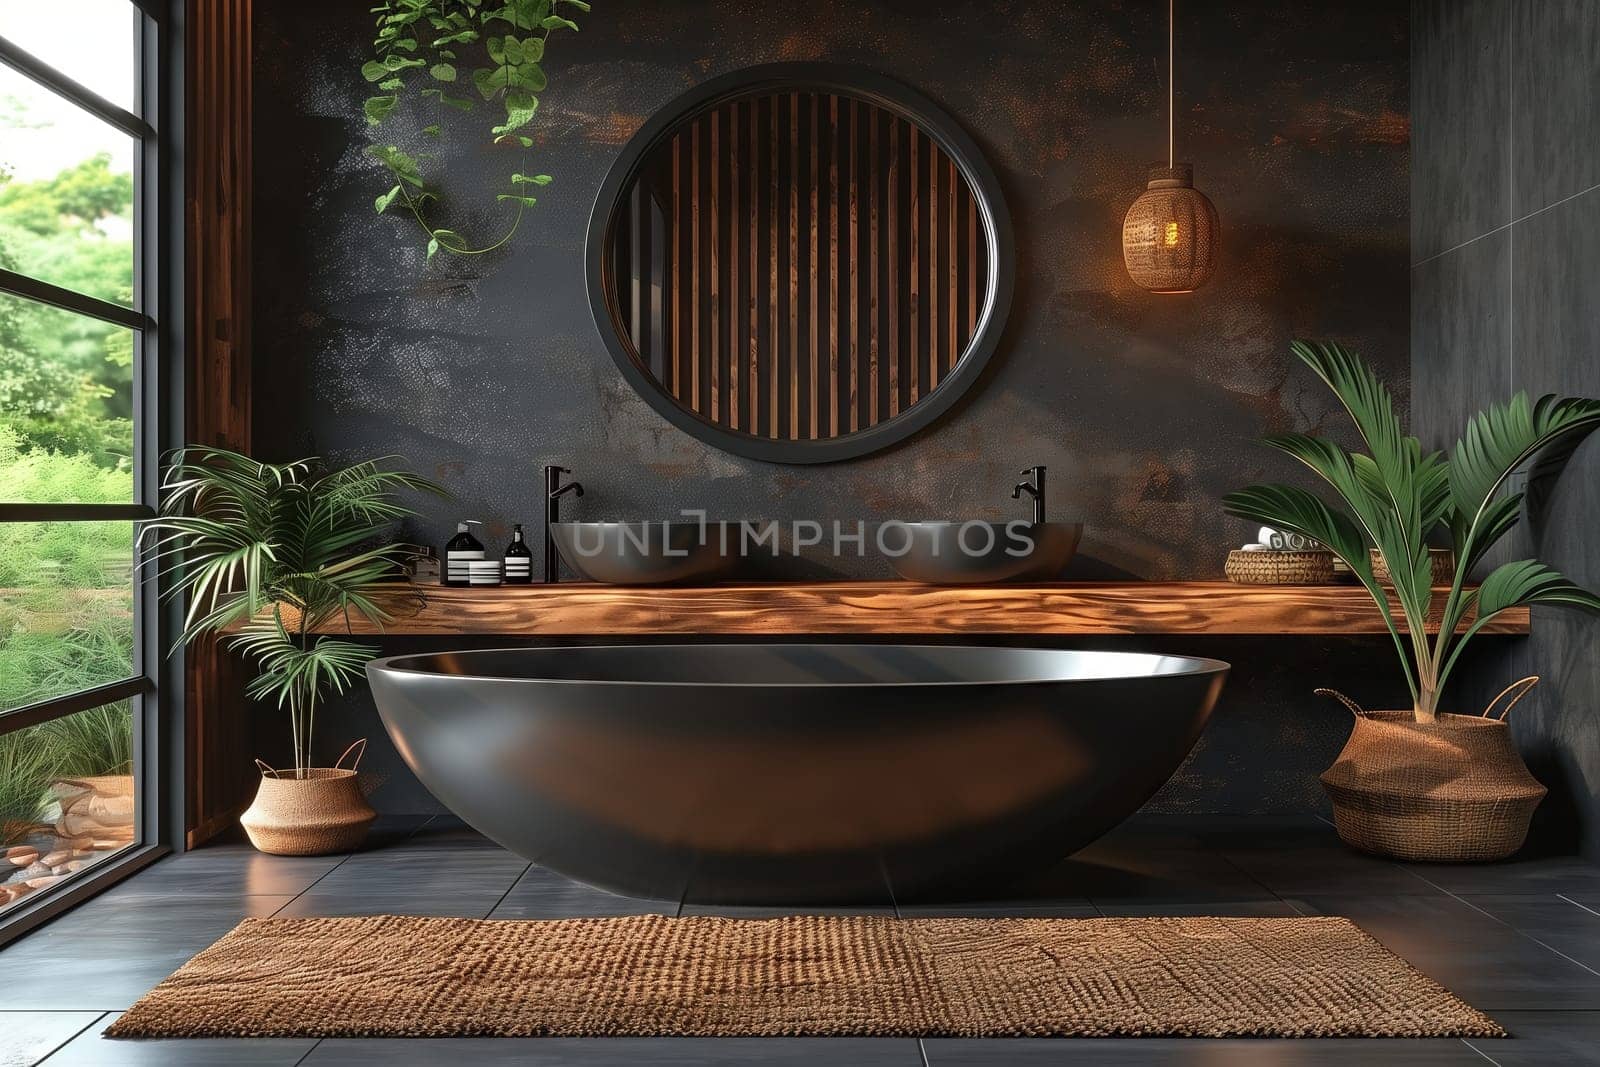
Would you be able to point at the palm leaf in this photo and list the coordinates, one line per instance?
(1288, 507)
(1498, 518)
(1397, 460)
(1358, 481)
(1526, 582)
(1399, 494)
(243, 541)
(1504, 438)
(1498, 442)
(1523, 582)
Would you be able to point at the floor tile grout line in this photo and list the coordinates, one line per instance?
(1401, 865)
(314, 883)
(343, 860)
(1576, 904)
(1226, 858)
(514, 883)
(1520, 933)
(1229, 861)
(84, 1029)
(1480, 1052)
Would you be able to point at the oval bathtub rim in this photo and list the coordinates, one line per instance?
(1203, 665)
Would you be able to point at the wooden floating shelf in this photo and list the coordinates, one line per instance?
(579, 609)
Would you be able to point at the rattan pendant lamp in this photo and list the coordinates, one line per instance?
(1169, 236)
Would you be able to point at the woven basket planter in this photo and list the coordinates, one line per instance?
(320, 811)
(1450, 791)
(1279, 568)
(1442, 560)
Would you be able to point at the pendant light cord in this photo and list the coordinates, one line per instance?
(1171, 86)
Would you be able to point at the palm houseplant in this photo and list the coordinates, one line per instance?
(1422, 783)
(270, 558)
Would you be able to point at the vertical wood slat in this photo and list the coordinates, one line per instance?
(696, 357)
(893, 274)
(813, 391)
(735, 263)
(794, 267)
(714, 331)
(772, 279)
(860, 207)
(935, 157)
(855, 266)
(874, 277)
(951, 317)
(832, 267)
(217, 189)
(972, 263)
(677, 266)
(915, 277)
(754, 385)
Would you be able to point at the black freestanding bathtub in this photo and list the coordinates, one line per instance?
(794, 773)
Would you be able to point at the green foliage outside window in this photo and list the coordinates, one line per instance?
(66, 382)
(66, 435)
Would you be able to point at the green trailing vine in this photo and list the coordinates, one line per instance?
(427, 49)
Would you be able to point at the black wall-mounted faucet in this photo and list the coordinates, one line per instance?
(553, 492)
(1034, 487)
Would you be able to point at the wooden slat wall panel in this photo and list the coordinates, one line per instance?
(217, 191)
(823, 265)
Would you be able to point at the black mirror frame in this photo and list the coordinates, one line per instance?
(863, 84)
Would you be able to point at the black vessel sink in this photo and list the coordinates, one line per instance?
(975, 552)
(648, 553)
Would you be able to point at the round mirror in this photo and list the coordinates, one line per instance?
(800, 263)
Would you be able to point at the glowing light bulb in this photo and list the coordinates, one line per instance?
(1171, 235)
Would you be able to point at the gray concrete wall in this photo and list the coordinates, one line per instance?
(1505, 286)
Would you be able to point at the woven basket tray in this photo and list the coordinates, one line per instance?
(1279, 568)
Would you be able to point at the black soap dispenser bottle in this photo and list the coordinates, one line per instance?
(459, 551)
(519, 559)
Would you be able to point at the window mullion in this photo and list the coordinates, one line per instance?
(30, 66)
(68, 300)
(24, 512)
(70, 704)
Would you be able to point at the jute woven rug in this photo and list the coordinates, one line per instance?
(391, 976)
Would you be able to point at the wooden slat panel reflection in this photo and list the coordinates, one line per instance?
(799, 266)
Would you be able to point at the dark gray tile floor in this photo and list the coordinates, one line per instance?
(1520, 940)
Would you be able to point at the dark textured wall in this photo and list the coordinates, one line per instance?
(1145, 407)
(1505, 243)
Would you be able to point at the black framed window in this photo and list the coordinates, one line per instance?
(84, 369)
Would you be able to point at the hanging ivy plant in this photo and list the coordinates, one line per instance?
(427, 48)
